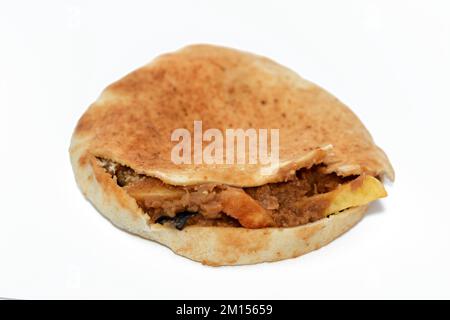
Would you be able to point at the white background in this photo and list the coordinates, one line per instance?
(388, 60)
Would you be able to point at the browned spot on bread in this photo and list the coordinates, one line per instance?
(231, 243)
(307, 233)
(83, 160)
(84, 124)
(210, 263)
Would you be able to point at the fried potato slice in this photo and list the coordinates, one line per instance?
(239, 205)
(150, 189)
(356, 193)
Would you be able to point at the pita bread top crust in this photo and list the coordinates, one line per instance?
(133, 119)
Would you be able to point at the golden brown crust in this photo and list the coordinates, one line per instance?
(133, 119)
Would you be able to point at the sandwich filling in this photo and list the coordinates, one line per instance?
(307, 196)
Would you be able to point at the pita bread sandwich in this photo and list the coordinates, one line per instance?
(328, 168)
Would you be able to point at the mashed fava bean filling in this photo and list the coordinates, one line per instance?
(285, 204)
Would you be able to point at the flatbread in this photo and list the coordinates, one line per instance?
(132, 121)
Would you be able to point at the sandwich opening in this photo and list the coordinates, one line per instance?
(308, 196)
